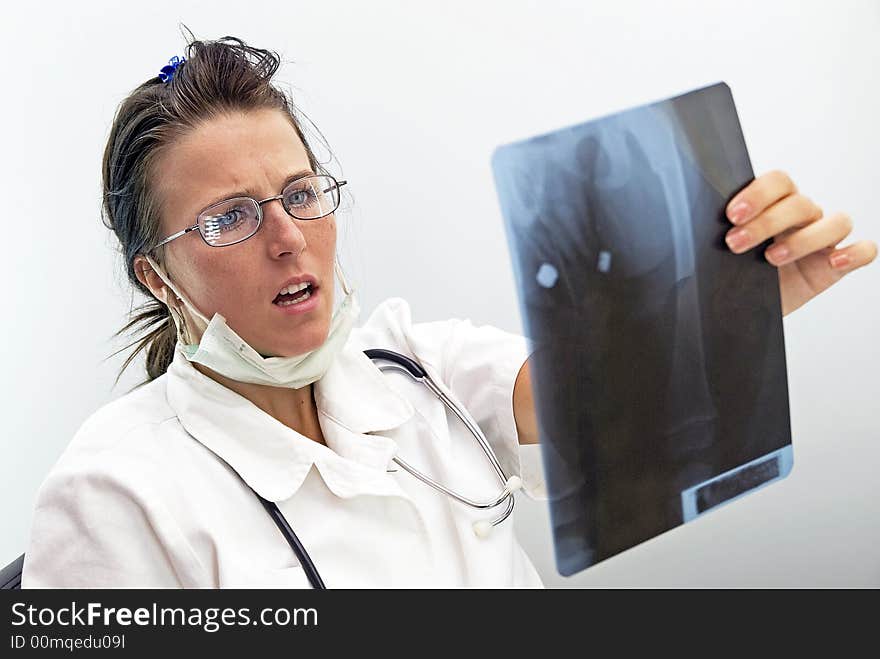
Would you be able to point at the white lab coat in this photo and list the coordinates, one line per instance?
(139, 498)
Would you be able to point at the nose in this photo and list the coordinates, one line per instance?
(283, 233)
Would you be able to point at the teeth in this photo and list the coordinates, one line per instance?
(302, 298)
(293, 288)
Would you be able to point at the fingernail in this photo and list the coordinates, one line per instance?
(777, 253)
(840, 260)
(738, 212)
(737, 239)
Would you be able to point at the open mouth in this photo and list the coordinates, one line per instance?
(294, 294)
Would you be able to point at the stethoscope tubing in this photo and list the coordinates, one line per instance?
(302, 555)
(417, 372)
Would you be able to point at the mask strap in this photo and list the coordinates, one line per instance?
(180, 296)
(342, 279)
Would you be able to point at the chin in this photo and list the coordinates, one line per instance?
(306, 341)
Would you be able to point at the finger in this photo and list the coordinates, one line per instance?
(792, 212)
(826, 232)
(758, 195)
(853, 256)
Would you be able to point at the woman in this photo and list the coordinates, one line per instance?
(256, 385)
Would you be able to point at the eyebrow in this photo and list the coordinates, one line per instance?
(247, 193)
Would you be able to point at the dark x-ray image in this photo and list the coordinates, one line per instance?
(657, 354)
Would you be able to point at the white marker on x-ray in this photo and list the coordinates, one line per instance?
(604, 263)
(547, 275)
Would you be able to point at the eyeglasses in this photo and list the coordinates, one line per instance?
(234, 220)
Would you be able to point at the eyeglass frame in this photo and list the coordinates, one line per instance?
(259, 204)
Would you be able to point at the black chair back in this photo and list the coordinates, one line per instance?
(10, 577)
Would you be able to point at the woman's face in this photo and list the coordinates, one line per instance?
(247, 154)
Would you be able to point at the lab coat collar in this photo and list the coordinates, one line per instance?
(353, 399)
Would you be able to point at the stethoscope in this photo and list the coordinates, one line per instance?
(482, 528)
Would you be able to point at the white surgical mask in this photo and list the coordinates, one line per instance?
(225, 352)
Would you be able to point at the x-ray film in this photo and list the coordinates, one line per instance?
(657, 354)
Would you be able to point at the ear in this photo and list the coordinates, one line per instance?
(148, 277)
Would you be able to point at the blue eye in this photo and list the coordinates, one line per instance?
(300, 197)
(228, 220)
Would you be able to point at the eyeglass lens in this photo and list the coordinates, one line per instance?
(234, 220)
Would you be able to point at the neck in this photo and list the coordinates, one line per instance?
(295, 408)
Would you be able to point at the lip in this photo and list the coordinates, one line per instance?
(303, 307)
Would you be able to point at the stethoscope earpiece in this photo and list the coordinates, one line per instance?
(483, 528)
(513, 484)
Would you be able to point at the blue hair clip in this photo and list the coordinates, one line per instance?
(167, 72)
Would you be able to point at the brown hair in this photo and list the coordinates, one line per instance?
(216, 77)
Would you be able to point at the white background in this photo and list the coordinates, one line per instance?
(412, 100)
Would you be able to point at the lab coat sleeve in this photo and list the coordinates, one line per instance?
(480, 364)
(95, 529)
